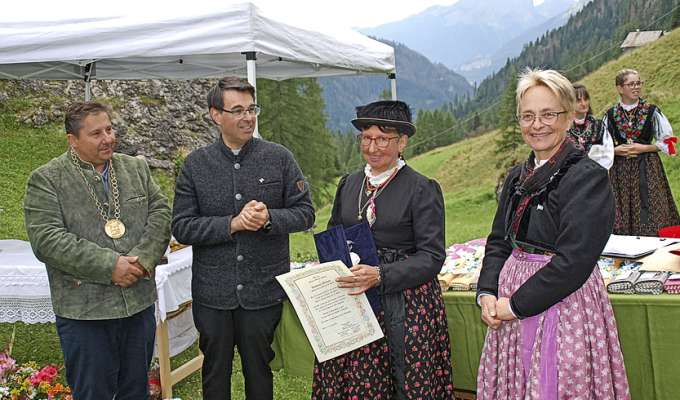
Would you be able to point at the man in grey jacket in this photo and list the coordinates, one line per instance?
(100, 224)
(236, 201)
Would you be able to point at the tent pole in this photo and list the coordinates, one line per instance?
(252, 79)
(393, 83)
(88, 71)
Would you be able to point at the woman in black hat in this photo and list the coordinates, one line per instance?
(406, 213)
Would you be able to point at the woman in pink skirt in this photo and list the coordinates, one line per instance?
(552, 330)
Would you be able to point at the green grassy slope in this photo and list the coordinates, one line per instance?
(467, 174)
(21, 151)
(658, 64)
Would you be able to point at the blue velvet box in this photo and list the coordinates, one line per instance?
(337, 242)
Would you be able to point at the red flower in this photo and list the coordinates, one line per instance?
(50, 371)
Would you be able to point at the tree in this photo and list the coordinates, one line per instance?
(675, 19)
(293, 115)
(435, 128)
(510, 138)
(348, 156)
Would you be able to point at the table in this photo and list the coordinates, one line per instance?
(648, 329)
(25, 297)
(24, 289)
(648, 325)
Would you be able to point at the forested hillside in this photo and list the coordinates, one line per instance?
(590, 38)
(420, 82)
(468, 171)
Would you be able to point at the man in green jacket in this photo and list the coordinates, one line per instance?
(100, 224)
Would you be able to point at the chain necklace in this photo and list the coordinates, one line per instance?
(629, 123)
(114, 227)
(371, 197)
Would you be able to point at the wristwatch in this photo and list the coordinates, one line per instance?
(267, 226)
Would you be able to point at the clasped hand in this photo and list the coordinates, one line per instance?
(127, 271)
(364, 277)
(495, 311)
(629, 150)
(252, 217)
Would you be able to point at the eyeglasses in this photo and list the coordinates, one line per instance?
(547, 118)
(380, 142)
(633, 85)
(241, 112)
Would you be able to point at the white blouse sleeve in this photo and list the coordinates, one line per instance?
(603, 154)
(662, 130)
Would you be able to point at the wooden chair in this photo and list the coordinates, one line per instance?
(170, 377)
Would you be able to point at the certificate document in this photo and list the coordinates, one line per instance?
(334, 321)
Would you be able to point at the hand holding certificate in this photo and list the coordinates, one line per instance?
(334, 321)
(339, 243)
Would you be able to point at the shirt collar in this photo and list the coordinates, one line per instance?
(539, 163)
(237, 154)
(379, 179)
(629, 107)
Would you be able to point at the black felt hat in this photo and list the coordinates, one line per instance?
(390, 113)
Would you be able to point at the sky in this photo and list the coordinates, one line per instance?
(351, 13)
(341, 13)
(312, 13)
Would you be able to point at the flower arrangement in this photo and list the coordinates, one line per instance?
(28, 381)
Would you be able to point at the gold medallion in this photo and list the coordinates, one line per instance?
(114, 228)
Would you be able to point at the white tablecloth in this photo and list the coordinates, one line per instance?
(25, 290)
(173, 282)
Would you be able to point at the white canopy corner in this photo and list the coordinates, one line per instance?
(183, 45)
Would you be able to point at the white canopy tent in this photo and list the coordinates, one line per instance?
(231, 40)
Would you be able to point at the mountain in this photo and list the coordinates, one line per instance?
(420, 83)
(513, 47)
(589, 39)
(465, 36)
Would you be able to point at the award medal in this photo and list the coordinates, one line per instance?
(114, 228)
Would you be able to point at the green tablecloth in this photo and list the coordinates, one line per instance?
(649, 329)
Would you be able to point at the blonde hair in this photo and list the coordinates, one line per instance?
(623, 74)
(560, 86)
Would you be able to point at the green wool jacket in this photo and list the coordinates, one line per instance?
(67, 234)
